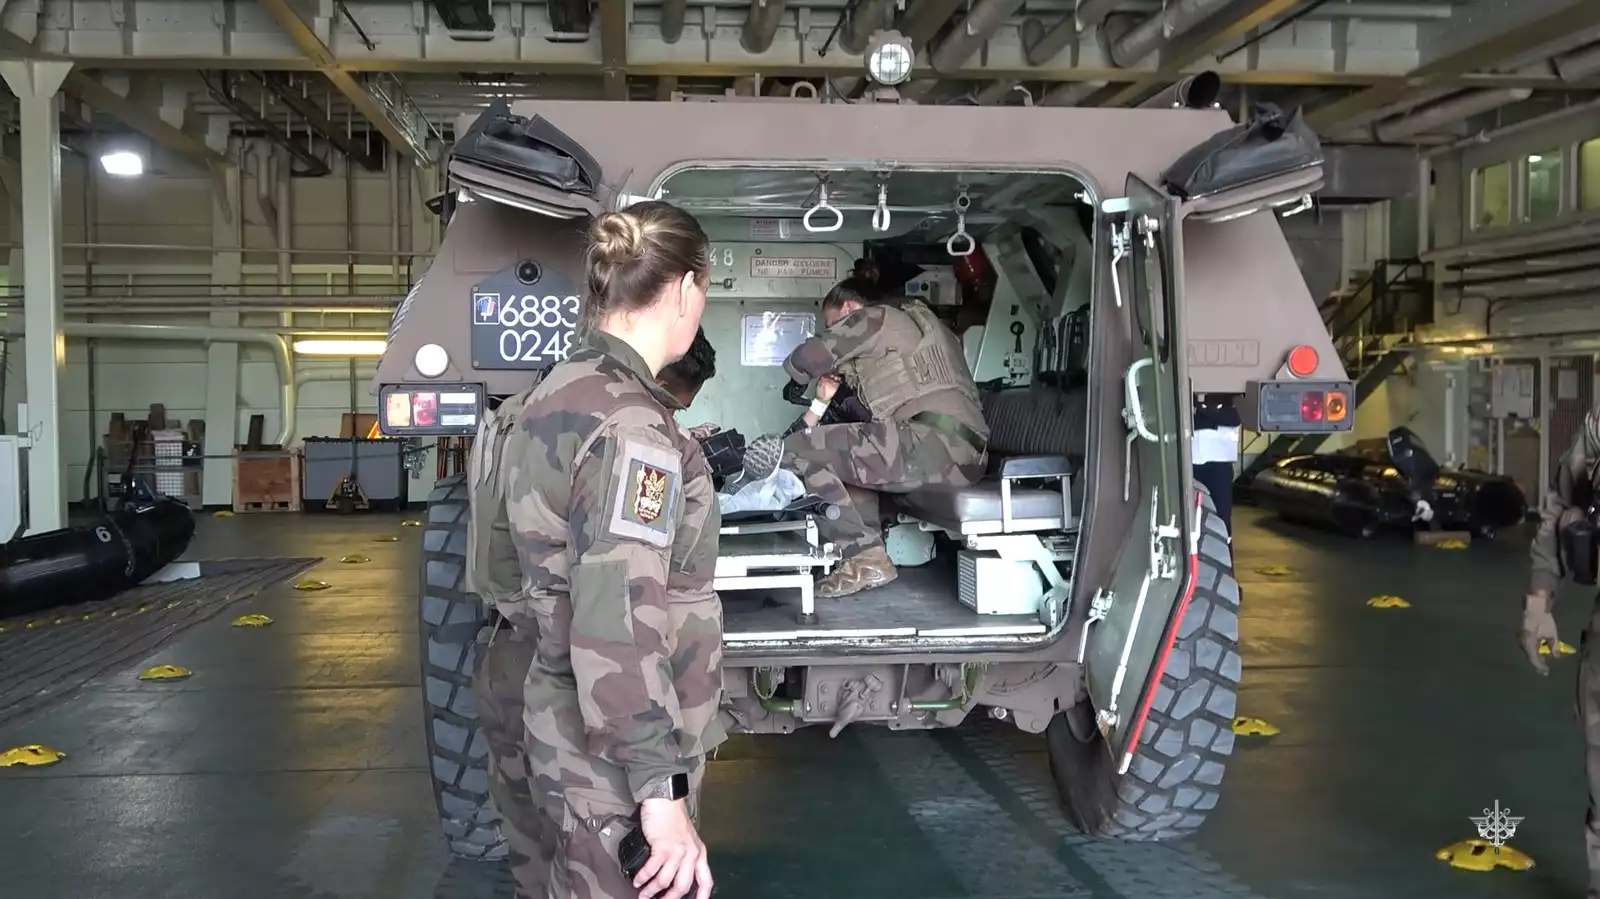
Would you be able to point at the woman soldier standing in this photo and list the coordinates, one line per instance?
(615, 521)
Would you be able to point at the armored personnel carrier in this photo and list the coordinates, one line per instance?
(1084, 590)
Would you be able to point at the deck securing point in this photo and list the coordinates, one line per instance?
(1275, 571)
(32, 755)
(251, 621)
(354, 559)
(1481, 855)
(312, 585)
(1388, 602)
(222, 513)
(411, 523)
(165, 672)
(1253, 727)
(390, 538)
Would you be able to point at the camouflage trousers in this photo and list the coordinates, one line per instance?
(590, 823)
(848, 464)
(497, 686)
(1589, 712)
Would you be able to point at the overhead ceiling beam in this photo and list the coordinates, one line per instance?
(1547, 28)
(98, 96)
(614, 48)
(313, 48)
(140, 118)
(1229, 24)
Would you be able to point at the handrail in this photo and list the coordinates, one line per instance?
(1343, 323)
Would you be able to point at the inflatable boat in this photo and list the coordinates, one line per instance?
(95, 561)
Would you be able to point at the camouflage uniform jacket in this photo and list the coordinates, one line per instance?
(615, 523)
(1571, 489)
(866, 335)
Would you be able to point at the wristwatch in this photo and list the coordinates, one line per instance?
(674, 787)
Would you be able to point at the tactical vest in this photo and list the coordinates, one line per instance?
(888, 381)
(493, 570)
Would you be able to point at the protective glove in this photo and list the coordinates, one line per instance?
(702, 431)
(1538, 627)
(762, 457)
(1423, 511)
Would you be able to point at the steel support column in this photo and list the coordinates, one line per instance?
(36, 85)
(222, 359)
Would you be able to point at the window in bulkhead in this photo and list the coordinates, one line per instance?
(1589, 174)
(1542, 200)
(1491, 196)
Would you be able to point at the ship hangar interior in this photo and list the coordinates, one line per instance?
(220, 214)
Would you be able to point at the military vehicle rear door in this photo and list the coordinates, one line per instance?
(1134, 614)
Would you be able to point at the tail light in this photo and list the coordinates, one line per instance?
(1311, 405)
(1336, 406)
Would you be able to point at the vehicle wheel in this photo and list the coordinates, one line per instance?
(1176, 775)
(458, 754)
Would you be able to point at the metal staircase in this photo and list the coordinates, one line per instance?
(1371, 329)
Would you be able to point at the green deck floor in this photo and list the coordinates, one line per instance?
(292, 763)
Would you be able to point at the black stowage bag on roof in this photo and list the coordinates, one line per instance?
(1268, 145)
(528, 148)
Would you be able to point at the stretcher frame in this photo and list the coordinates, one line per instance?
(769, 555)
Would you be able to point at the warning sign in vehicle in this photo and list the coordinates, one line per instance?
(793, 267)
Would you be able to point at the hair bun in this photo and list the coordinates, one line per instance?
(617, 236)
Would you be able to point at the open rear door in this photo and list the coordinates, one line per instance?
(1134, 615)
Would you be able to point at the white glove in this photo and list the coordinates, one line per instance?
(1424, 512)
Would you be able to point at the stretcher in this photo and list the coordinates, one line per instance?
(759, 553)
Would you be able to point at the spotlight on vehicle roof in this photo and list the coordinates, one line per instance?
(889, 58)
(123, 163)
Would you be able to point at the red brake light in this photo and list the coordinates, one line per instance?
(1311, 406)
(1302, 361)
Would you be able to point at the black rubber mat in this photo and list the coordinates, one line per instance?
(46, 657)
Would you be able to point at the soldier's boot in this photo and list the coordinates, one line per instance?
(863, 571)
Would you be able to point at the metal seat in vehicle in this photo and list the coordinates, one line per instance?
(1037, 439)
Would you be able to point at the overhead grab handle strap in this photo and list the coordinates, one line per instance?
(961, 239)
(880, 216)
(822, 206)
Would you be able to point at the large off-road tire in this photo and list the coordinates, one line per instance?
(458, 754)
(1175, 778)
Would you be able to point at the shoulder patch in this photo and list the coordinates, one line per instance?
(648, 480)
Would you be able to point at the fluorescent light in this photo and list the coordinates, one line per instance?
(324, 347)
(1536, 159)
(123, 164)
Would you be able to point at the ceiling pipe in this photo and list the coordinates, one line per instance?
(1130, 45)
(275, 343)
(1462, 106)
(971, 33)
(1580, 109)
(1070, 94)
(1197, 91)
(1577, 65)
(1040, 45)
(866, 17)
(761, 25)
(672, 15)
(995, 92)
(117, 309)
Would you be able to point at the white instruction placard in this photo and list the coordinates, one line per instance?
(769, 337)
(794, 267)
(1511, 392)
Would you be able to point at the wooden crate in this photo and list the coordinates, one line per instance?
(266, 481)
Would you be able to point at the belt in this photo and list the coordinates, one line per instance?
(953, 426)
